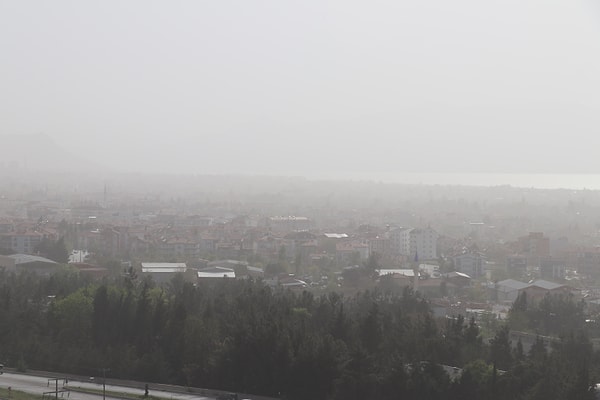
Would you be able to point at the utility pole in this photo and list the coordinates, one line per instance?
(104, 370)
(416, 272)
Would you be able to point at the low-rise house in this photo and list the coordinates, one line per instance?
(351, 252)
(540, 288)
(508, 290)
(470, 263)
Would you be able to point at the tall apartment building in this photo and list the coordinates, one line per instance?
(414, 241)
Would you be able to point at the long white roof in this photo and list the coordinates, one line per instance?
(405, 272)
(163, 267)
(26, 259)
(335, 235)
(217, 273)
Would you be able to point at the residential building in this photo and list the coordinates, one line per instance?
(516, 265)
(267, 246)
(351, 252)
(379, 245)
(552, 268)
(24, 242)
(508, 290)
(178, 249)
(535, 246)
(294, 244)
(469, 263)
(540, 288)
(585, 260)
(413, 242)
(292, 223)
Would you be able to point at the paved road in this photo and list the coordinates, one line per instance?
(38, 385)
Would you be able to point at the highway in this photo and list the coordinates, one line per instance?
(39, 385)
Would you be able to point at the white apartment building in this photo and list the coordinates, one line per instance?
(414, 241)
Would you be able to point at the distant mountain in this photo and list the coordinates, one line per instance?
(39, 152)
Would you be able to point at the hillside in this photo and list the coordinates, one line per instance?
(39, 152)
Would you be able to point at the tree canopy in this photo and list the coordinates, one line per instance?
(243, 336)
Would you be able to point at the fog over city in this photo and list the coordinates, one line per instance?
(319, 89)
(309, 200)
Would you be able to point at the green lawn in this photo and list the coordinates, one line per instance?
(17, 395)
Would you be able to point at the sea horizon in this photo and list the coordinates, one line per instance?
(520, 180)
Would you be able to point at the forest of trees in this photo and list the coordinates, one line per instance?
(242, 336)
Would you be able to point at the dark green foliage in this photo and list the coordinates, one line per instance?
(56, 251)
(373, 264)
(242, 336)
(476, 381)
(500, 349)
(553, 315)
(274, 269)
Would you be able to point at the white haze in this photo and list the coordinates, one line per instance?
(338, 88)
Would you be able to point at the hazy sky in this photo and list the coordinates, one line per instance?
(298, 87)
